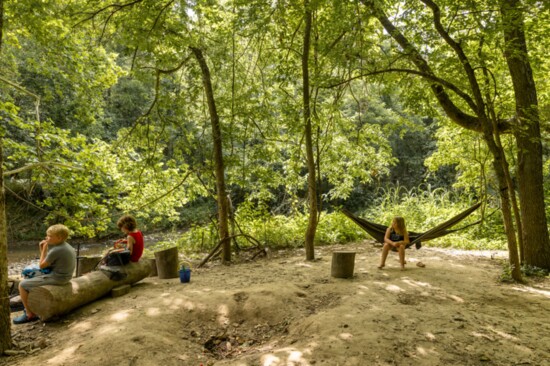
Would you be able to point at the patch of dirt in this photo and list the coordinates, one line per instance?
(283, 310)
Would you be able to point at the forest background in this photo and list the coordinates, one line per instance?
(235, 120)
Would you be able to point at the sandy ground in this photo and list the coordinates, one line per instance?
(283, 310)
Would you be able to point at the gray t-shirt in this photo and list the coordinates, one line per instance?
(62, 260)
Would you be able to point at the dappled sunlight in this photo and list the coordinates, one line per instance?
(64, 356)
(422, 351)
(456, 298)
(107, 329)
(532, 290)
(294, 357)
(345, 336)
(414, 283)
(121, 315)
(223, 314)
(430, 336)
(152, 312)
(302, 264)
(393, 288)
(502, 334)
(81, 326)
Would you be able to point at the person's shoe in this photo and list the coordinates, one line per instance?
(22, 319)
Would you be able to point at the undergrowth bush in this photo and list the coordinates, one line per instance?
(425, 207)
(422, 207)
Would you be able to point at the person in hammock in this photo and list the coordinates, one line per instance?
(397, 237)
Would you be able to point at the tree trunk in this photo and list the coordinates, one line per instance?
(49, 301)
(218, 156)
(311, 180)
(5, 320)
(530, 174)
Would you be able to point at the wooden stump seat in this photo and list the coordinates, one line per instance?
(343, 263)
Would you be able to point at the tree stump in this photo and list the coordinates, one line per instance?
(343, 263)
(167, 263)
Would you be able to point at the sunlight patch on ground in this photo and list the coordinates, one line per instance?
(301, 264)
(121, 315)
(456, 298)
(346, 336)
(430, 336)
(82, 326)
(294, 358)
(107, 329)
(524, 349)
(153, 312)
(390, 288)
(223, 314)
(502, 334)
(64, 356)
(414, 283)
(532, 290)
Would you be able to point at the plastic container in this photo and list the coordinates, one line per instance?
(185, 275)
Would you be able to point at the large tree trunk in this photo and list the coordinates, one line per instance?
(223, 211)
(530, 174)
(5, 325)
(49, 301)
(311, 180)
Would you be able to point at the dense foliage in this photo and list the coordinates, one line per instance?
(122, 124)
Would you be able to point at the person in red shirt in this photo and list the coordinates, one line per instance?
(134, 239)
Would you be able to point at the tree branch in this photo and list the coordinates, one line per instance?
(453, 112)
(38, 165)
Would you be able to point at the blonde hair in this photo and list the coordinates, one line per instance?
(398, 223)
(59, 230)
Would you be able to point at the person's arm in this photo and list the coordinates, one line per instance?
(406, 240)
(43, 253)
(130, 244)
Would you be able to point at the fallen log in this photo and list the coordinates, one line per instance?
(49, 301)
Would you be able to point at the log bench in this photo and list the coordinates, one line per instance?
(49, 301)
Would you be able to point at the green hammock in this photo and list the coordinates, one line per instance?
(378, 231)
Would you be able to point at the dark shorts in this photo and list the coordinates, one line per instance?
(29, 283)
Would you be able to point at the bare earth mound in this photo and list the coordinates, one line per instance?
(282, 310)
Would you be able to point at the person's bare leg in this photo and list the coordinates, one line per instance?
(24, 296)
(402, 256)
(385, 251)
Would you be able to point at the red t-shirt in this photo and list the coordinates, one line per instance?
(137, 250)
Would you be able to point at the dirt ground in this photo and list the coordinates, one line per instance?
(282, 310)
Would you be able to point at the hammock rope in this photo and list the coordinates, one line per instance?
(378, 231)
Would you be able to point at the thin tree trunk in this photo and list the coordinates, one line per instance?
(5, 325)
(530, 173)
(311, 180)
(218, 156)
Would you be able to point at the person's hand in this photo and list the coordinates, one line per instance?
(43, 243)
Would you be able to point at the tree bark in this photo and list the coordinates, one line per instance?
(311, 180)
(343, 264)
(167, 263)
(5, 320)
(530, 172)
(221, 198)
(49, 301)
